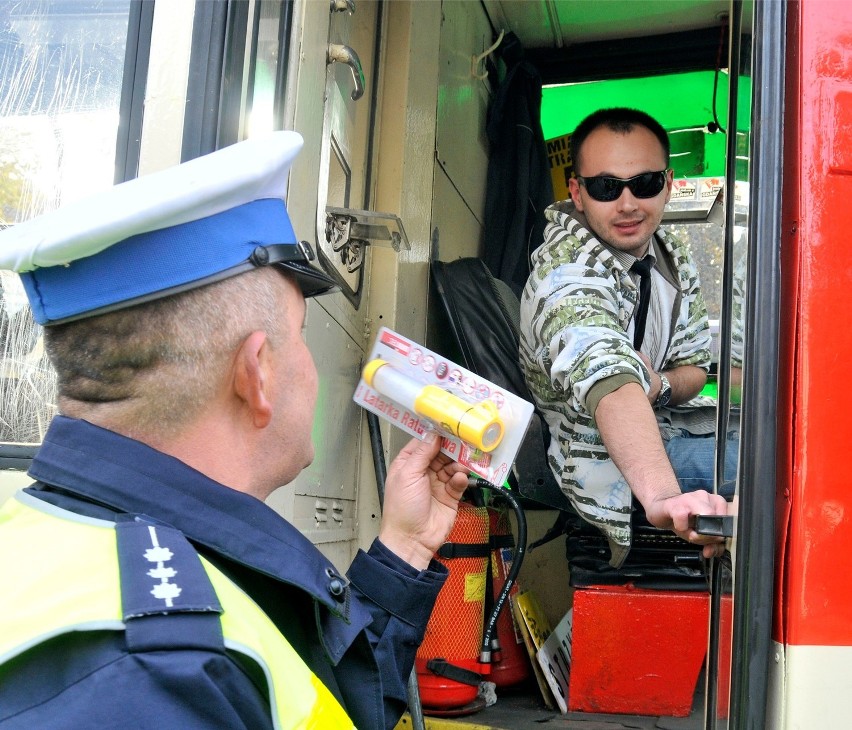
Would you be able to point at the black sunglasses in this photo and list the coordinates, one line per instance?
(605, 189)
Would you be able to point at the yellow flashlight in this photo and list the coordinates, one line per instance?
(478, 424)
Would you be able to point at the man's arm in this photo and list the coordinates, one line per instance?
(686, 381)
(631, 435)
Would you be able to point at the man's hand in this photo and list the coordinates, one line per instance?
(677, 513)
(422, 493)
(632, 437)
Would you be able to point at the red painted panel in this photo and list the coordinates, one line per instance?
(818, 595)
(789, 313)
(636, 651)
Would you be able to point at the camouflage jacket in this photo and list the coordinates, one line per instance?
(575, 312)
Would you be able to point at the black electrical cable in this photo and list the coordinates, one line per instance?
(378, 455)
(716, 124)
(717, 127)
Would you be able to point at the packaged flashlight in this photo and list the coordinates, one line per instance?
(418, 390)
(478, 424)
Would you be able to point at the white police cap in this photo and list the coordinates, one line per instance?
(163, 233)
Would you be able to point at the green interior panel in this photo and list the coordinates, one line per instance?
(682, 103)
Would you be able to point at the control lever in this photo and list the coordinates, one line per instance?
(716, 525)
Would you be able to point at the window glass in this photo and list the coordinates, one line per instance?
(61, 67)
(267, 68)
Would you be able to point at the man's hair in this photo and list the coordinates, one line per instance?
(151, 368)
(617, 119)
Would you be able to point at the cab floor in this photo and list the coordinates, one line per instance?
(523, 709)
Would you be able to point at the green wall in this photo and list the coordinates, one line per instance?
(678, 101)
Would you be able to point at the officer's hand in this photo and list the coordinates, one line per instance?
(422, 493)
(677, 513)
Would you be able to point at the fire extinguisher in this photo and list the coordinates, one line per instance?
(509, 660)
(448, 664)
(449, 675)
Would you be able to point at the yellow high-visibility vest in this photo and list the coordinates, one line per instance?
(61, 573)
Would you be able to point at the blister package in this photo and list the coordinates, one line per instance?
(481, 425)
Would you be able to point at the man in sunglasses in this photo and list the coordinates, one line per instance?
(615, 339)
(145, 582)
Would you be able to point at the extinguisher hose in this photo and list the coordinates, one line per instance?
(520, 549)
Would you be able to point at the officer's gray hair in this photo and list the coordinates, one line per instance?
(150, 369)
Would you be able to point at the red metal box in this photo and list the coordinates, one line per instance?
(637, 651)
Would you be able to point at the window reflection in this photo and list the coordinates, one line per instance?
(27, 382)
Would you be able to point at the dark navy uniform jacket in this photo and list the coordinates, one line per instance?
(358, 633)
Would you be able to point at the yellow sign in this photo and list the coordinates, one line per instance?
(534, 618)
(535, 628)
(561, 165)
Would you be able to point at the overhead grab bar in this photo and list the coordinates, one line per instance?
(338, 53)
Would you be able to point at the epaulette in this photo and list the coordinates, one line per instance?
(168, 601)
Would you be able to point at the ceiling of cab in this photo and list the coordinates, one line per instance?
(559, 23)
(584, 40)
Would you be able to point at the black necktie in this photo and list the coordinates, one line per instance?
(643, 268)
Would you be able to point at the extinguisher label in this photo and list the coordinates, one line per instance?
(474, 587)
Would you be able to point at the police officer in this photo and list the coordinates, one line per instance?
(145, 582)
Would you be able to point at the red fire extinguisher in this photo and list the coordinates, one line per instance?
(510, 662)
(448, 668)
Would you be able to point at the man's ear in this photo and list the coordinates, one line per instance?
(669, 183)
(574, 188)
(252, 378)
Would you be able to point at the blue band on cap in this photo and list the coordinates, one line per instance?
(142, 265)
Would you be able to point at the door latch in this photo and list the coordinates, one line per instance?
(339, 53)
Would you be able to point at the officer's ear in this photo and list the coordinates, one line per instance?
(252, 378)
